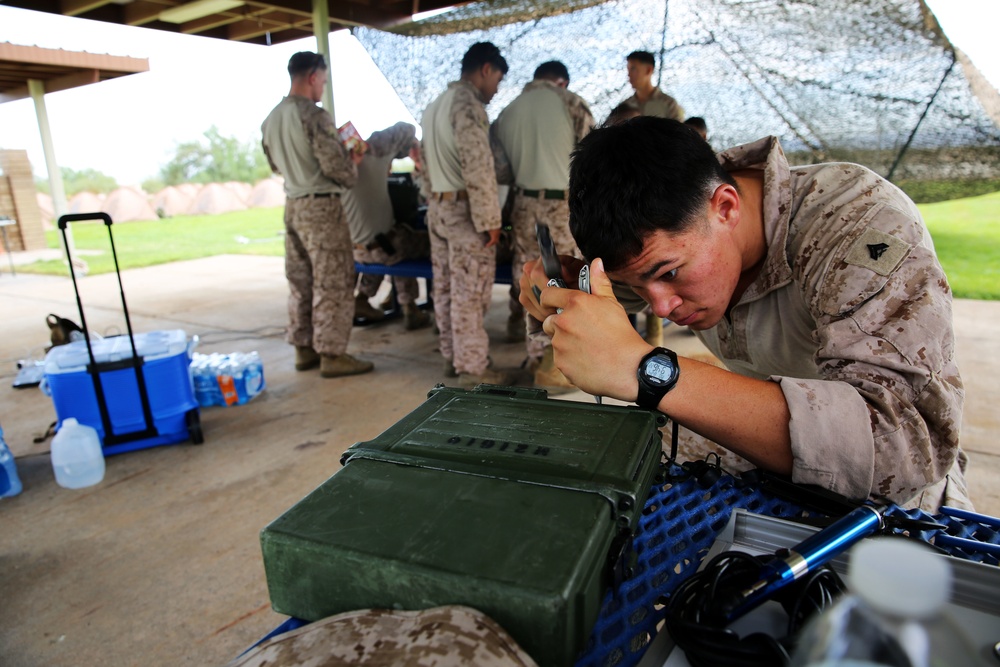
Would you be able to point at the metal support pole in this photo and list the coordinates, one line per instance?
(321, 28)
(58, 192)
(4, 224)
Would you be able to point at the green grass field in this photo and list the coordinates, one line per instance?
(251, 232)
(966, 233)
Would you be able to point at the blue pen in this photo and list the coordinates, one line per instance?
(813, 552)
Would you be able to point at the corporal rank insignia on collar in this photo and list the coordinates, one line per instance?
(877, 251)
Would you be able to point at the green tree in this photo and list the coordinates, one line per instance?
(79, 181)
(154, 184)
(216, 159)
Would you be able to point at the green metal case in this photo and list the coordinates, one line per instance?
(495, 498)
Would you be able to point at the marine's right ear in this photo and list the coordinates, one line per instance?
(725, 205)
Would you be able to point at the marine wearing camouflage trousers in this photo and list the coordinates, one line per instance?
(320, 269)
(408, 243)
(528, 211)
(464, 271)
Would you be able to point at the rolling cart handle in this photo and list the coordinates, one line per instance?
(78, 217)
(110, 437)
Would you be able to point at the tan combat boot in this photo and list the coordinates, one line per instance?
(488, 376)
(414, 318)
(550, 378)
(306, 358)
(343, 364)
(363, 310)
(451, 372)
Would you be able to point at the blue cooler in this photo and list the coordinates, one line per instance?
(172, 409)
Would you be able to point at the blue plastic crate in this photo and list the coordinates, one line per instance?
(680, 522)
(166, 359)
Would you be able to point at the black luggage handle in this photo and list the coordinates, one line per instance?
(79, 217)
(94, 368)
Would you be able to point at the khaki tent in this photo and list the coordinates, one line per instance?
(215, 198)
(128, 204)
(86, 202)
(172, 200)
(46, 209)
(189, 189)
(242, 190)
(268, 193)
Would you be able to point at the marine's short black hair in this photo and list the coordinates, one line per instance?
(643, 57)
(697, 122)
(629, 180)
(553, 69)
(480, 54)
(305, 62)
(622, 113)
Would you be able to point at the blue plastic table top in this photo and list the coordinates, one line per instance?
(679, 524)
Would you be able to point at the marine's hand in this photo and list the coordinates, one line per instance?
(494, 238)
(595, 345)
(533, 280)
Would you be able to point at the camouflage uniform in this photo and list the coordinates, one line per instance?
(659, 104)
(463, 206)
(532, 140)
(409, 243)
(451, 636)
(301, 144)
(851, 316)
(369, 213)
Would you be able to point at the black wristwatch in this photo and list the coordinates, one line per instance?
(657, 373)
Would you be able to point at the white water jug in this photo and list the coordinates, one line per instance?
(77, 457)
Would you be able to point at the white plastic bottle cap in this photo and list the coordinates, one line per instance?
(899, 577)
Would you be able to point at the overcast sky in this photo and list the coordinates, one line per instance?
(128, 127)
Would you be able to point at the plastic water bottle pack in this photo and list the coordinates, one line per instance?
(10, 483)
(226, 379)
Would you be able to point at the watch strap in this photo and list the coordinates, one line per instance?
(650, 394)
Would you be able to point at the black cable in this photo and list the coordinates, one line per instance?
(697, 609)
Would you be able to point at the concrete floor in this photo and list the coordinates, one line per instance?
(160, 563)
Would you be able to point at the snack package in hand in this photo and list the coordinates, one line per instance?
(352, 140)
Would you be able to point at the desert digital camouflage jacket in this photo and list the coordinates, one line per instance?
(851, 315)
(301, 143)
(533, 137)
(456, 151)
(659, 104)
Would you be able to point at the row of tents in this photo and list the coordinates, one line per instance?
(127, 204)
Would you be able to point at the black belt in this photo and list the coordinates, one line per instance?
(542, 194)
(318, 195)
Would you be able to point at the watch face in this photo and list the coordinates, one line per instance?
(659, 370)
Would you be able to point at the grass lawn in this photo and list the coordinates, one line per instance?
(257, 231)
(966, 234)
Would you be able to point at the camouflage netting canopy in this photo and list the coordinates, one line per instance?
(868, 81)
